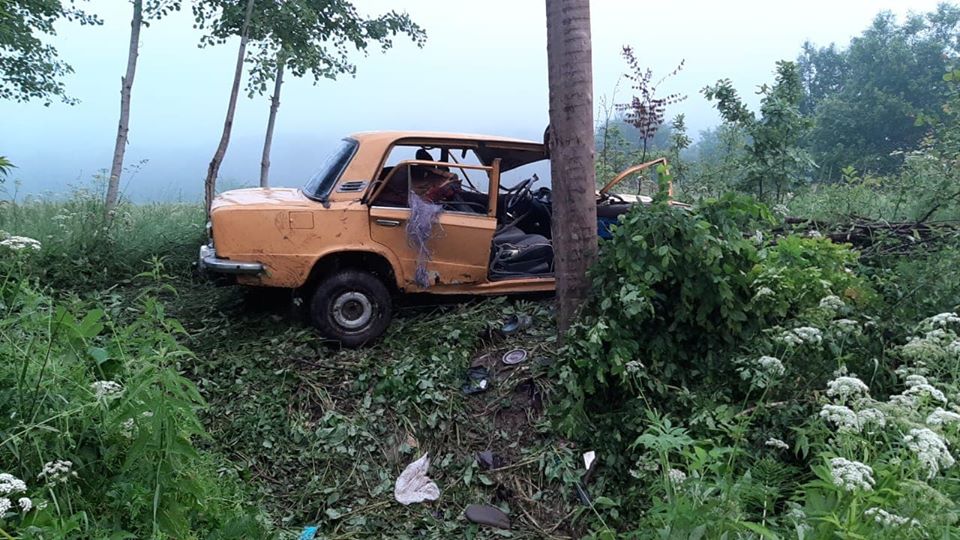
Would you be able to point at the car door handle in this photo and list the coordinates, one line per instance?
(388, 222)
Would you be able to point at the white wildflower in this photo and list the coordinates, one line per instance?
(790, 339)
(918, 349)
(954, 347)
(851, 475)
(832, 303)
(758, 237)
(915, 379)
(843, 417)
(25, 504)
(763, 371)
(941, 319)
(4, 506)
(871, 417)
(780, 210)
(634, 367)
(105, 389)
(11, 484)
(58, 471)
(886, 519)
(809, 334)
(799, 336)
(676, 476)
(846, 326)
(931, 450)
(940, 336)
(795, 512)
(763, 291)
(777, 443)
(925, 390)
(127, 427)
(940, 417)
(773, 367)
(17, 243)
(847, 387)
(814, 234)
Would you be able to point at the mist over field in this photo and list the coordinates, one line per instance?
(483, 70)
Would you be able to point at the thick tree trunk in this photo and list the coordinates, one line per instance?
(571, 152)
(268, 140)
(213, 171)
(126, 87)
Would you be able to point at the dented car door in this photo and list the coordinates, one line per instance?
(459, 244)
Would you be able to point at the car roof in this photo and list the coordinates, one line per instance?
(388, 137)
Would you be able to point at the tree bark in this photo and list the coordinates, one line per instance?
(571, 153)
(213, 171)
(123, 128)
(274, 106)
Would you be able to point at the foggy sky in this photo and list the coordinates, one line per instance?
(483, 70)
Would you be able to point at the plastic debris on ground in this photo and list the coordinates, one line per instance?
(309, 533)
(516, 323)
(484, 514)
(413, 484)
(478, 380)
(488, 460)
(514, 357)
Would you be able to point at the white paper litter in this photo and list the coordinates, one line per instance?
(413, 485)
(588, 458)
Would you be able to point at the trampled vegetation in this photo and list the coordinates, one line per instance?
(779, 360)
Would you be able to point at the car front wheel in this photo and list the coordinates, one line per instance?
(352, 307)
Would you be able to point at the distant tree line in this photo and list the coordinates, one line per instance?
(832, 112)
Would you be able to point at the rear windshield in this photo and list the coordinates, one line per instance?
(320, 184)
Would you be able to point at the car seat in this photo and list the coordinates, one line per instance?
(516, 253)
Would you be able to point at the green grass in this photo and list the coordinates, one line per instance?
(322, 434)
(83, 250)
(313, 434)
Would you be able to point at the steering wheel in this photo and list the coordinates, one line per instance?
(518, 195)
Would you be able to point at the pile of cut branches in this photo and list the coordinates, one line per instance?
(880, 237)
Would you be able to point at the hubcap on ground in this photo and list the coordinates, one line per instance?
(352, 310)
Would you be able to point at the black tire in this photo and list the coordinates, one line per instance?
(351, 307)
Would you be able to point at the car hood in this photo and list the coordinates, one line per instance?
(262, 197)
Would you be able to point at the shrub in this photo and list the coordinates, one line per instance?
(99, 425)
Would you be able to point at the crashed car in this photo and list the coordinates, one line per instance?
(398, 212)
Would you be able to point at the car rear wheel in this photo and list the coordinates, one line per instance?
(352, 307)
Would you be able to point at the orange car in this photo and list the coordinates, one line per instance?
(396, 212)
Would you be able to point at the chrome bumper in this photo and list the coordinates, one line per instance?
(209, 262)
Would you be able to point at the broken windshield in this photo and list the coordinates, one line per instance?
(320, 184)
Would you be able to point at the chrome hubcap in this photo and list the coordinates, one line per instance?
(352, 310)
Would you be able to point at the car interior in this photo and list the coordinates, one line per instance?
(522, 245)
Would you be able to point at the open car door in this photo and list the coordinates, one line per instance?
(459, 243)
(607, 190)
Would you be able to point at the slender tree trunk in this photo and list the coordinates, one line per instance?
(213, 171)
(274, 105)
(126, 86)
(571, 153)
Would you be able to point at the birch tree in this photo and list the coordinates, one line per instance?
(143, 12)
(313, 38)
(221, 15)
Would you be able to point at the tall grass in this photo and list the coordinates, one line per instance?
(84, 249)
